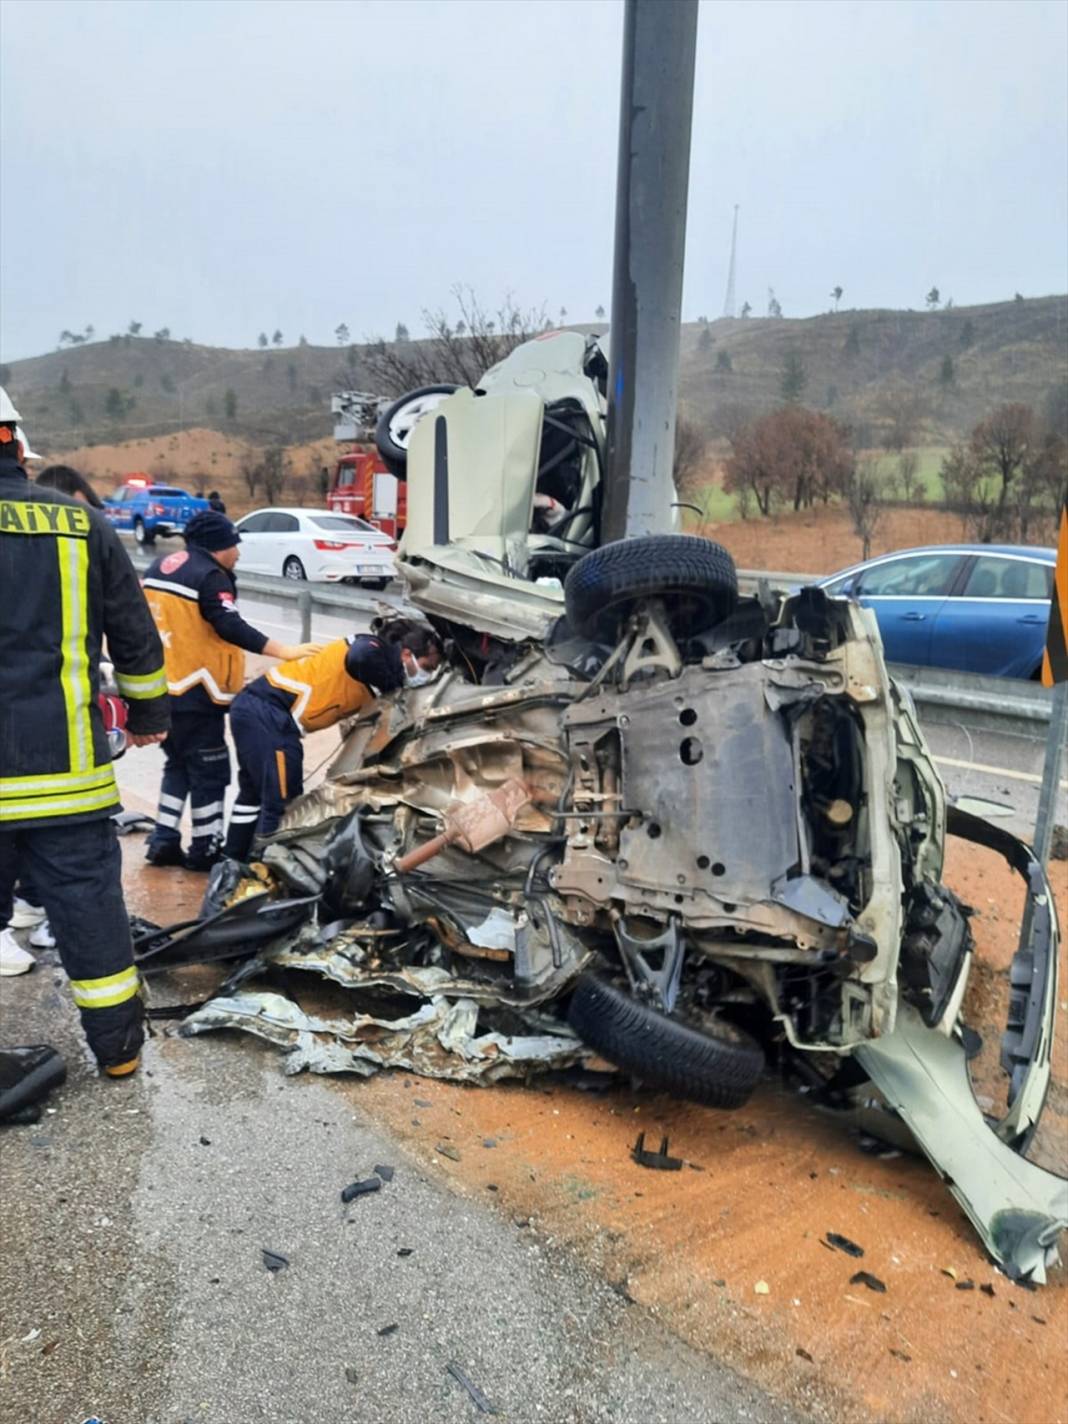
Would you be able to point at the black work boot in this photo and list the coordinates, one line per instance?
(169, 853)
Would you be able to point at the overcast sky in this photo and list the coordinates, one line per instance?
(224, 167)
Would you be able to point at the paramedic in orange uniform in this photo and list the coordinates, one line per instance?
(268, 719)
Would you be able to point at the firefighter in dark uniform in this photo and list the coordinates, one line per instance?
(268, 719)
(66, 584)
(192, 595)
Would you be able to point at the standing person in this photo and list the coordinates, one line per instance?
(268, 719)
(192, 596)
(215, 501)
(66, 584)
(72, 482)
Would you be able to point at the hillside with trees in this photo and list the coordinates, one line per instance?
(897, 379)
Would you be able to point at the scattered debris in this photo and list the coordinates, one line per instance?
(988, 1289)
(489, 1142)
(205, 1141)
(360, 1189)
(480, 1401)
(352, 1374)
(389, 1329)
(31, 1337)
(386, 1173)
(804, 1355)
(659, 1161)
(843, 1243)
(950, 1272)
(405, 1250)
(865, 1278)
(274, 1260)
(1039, 1320)
(762, 1288)
(964, 1285)
(447, 1150)
(900, 1355)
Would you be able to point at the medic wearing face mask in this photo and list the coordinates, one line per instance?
(269, 718)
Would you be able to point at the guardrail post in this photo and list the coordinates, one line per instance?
(304, 607)
(1051, 773)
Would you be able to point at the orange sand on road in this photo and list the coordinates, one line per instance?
(765, 1184)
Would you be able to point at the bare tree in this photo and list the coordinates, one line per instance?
(690, 447)
(275, 471)
(457, 352)
(252, 476)
(836, 293)
(865, 491)
(912, 488)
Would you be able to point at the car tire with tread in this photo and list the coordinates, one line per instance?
(664, 1053)
(293, 568)
(394, 455)
(142, 536)
(695, 577)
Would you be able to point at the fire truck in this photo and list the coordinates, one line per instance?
(361, 483)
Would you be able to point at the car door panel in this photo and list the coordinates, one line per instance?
(997, 623)
(906, 595)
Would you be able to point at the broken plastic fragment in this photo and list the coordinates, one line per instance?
(386, 1173)
(658, 1161)
(274, 1260)
(447, 1151)
(843, 1243)
(480, 1401)
(389, 1329)
(359, 1189)
(865, 1278)
(762, 1288)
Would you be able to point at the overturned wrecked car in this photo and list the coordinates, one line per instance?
(636, 818)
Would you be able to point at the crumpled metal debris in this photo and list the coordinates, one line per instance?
(441, 1039)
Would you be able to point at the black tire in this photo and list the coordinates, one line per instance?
(375, 583)
(696, 578)
(393, 446)
(664, 1053)
(293, 568)
(142, 536)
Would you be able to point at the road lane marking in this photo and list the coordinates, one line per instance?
(1029, 776)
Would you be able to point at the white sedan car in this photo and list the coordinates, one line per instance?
(316, 544)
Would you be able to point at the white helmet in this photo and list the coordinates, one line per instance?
(8, 414)
(27, 453)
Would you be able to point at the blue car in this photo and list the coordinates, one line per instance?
(149, 510)
(978, 607)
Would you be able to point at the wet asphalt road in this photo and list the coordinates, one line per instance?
(132, 1283)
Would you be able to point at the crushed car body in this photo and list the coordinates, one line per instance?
(639, 817)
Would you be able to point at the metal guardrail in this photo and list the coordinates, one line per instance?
(942, 695)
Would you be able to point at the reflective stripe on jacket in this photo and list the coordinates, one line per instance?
(66, 583)
(320, 690)
(195, 655)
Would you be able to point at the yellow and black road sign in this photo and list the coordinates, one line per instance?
(1055, 662)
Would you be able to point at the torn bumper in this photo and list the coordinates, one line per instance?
(1017, 1208)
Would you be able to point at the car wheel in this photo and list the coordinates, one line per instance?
(720, 1072)
(142, 536)
(293, 568)
(375, 583)
(695, 577)
(396, 421)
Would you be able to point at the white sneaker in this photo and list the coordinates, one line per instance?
(24, 914)
(41, 936)
(13, 958)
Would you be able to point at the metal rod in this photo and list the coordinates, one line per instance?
(655, 110)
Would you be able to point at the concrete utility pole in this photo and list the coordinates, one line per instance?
(655, 110)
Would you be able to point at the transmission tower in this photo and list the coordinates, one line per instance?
(728, 301)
